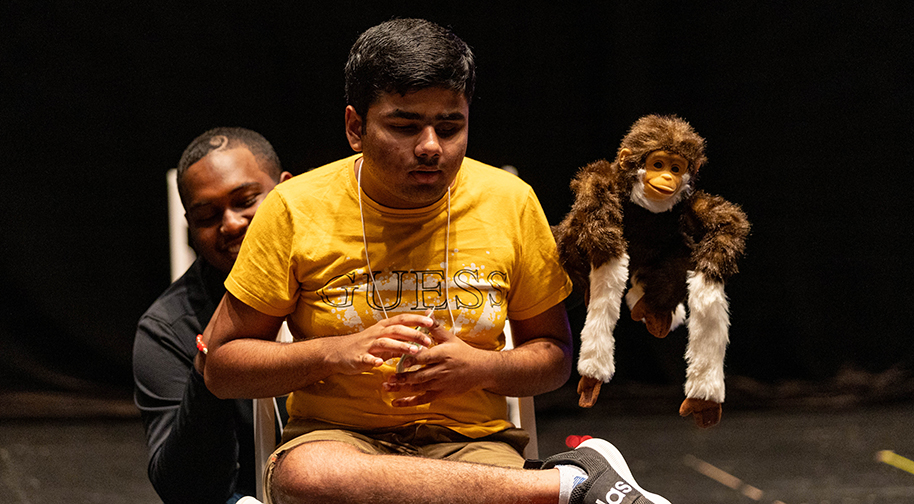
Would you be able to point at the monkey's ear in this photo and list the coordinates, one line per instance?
(624, 153)
(697, 166)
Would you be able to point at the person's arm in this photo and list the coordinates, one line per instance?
(540, 362)
(541, 357)
(244, 360)
(190, 433)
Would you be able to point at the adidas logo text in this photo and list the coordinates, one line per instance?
(617, 493)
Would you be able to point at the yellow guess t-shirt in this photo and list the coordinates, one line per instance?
(304, 258)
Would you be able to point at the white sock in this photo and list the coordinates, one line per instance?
(570, 476)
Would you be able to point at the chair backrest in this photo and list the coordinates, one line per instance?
(180, 251)
(266, 426)
(265, 416)
(521, 410)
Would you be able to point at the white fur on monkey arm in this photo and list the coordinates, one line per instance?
(709, 325)
(607, 283)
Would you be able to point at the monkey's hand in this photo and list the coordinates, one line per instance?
(706, 413)
(589, 388)
(657, 324)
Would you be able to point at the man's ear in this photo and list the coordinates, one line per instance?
(284, 176)
(354, 124)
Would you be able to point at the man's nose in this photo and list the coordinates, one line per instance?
(428, 144)
(233, 222)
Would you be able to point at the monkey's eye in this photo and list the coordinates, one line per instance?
(674, 169)
(658, 165)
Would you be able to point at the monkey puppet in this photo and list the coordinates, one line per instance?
(637, 219)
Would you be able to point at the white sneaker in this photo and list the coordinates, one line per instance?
(609, 480)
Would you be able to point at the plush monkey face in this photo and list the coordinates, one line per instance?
(663, 175)
(661, 182)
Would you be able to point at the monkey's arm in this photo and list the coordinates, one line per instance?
(721, 228)
(592, 247)
(595, 362)
(591, 232)
(709, 324)
(597, 213)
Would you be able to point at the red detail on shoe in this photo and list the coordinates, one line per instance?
(573, 441)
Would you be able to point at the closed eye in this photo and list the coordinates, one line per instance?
(249, 201)
(405, 128)
(202, 221)
(447, 130)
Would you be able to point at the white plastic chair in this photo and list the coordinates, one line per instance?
(266, 411)
(180, 251)
(521, 411)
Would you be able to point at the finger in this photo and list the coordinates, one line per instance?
(370, 360)
(386, 348)
(410, 381)
(425, 357)
(416, 334)
(417, 400)
(402, 388)
(685, 409)
(410, 320)
(589, 390)
(408, 364)
(440, 333)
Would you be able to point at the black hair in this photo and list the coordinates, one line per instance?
(405, 55)
(229, 138)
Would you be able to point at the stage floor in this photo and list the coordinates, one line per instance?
(785, 456)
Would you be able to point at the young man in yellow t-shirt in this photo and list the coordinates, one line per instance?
(405, 249)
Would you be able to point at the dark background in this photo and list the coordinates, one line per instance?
(807, 111)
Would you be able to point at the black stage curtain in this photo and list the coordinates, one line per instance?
(807, 110)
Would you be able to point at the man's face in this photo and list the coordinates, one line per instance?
(223, 191)
(412, 145)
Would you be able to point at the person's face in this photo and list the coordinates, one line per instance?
(223, 191)
(412, 145)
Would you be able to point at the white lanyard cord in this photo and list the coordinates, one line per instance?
(447, 248)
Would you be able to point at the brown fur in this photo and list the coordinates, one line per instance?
(594, 231)
(701, 233)
(669, 133)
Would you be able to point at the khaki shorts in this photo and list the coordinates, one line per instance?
(430, 441)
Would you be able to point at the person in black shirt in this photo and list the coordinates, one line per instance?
(201, 447)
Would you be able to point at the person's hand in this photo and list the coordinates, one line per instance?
(356, 353)
(449, 368)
